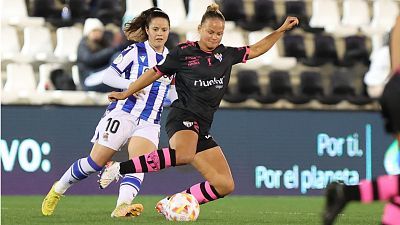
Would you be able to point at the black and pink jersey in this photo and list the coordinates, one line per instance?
(201, 77)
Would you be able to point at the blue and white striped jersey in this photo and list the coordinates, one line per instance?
(130, 64)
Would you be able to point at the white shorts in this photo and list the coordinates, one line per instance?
(117, 126)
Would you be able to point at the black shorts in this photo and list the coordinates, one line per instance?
(390, 102)
(179, 119)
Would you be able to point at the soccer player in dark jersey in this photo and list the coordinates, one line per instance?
(386, 187)
(202, 71)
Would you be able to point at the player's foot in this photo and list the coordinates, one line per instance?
(127, 210)
(109, 174)
(50, 201)
(161, 206)
(335, 202)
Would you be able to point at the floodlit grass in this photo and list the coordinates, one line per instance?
(96, 210)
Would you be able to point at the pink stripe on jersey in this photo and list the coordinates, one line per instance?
(391, 214)
(246, 55)
(366, 191)
(158, 71)
(196, 192)
(136, 163)
(209, 190)
(167, 157)
(387, 186)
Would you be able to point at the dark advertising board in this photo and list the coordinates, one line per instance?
(271, 152)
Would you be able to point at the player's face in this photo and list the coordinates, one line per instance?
(211, 32)
(158, 32)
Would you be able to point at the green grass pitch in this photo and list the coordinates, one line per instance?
(232, 210)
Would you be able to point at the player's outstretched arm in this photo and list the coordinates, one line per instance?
(143, 81)
(266, 43)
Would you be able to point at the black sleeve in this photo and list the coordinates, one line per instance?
(171, 63)
(239, 55)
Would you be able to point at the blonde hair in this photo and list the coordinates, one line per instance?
(214, 7)
(212, 12)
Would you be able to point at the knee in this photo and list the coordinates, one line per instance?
(226, 187)
(184, 157)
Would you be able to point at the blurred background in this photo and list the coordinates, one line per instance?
(293, 120)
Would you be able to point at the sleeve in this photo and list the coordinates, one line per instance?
(113, 79)
(125, 60)
(171, 63)
(239, 55)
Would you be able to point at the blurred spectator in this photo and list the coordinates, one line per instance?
(379, 70)
(95, 53)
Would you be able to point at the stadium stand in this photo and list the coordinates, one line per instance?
(355, 51)
(264, 16)
(311, 85)
(295, 46)
(38, 44)
(10, 50)
(324, 51)
(349, 38)
(67, 43)
(133, 8)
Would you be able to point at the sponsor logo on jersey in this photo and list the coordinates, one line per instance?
(217, 82)
(218, 56)
(142, 58)
(188, 124)
(207, 136)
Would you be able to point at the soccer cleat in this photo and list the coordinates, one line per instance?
(335, 202)
(109, 174)
(127, 210)
(161, 206)
(50, 201)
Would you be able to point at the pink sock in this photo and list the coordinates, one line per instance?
(203, 192)
(151, 162)
(383, 188)
(391, 213)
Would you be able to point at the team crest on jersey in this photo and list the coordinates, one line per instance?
(105, 136)
(188, 124)
(218, 56)
(119, 59)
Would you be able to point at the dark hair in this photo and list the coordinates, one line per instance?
(212, 12)
(138, 25)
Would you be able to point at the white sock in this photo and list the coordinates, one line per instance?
(129, 187)
(78, 171)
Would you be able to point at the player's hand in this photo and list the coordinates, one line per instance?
(289, 23)
(139, 94)
(114, 96)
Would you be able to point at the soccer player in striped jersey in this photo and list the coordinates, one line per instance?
(202, 71)
(135, 120)
(386, 187)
